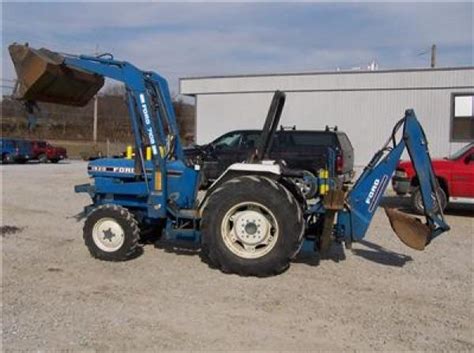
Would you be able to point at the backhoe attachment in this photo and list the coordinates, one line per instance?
(367, 192)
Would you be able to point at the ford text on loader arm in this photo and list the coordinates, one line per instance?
(253, 220)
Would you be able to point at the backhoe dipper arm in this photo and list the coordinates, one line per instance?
(365, 197)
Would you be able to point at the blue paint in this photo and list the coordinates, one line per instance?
(367, 192)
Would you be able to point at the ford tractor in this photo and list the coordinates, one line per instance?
(253, 220)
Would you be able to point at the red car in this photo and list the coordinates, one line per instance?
(455, 176)
(44, 152)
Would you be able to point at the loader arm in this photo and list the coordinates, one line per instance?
(145, 90)
(364, 198)
(48, 76)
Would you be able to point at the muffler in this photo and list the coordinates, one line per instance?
(43, 76)
(410, 230)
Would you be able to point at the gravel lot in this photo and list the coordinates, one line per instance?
(379, 296)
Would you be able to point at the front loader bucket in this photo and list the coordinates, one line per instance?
(43, 76)
(411, 231)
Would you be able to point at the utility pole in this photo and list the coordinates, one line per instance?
(96, 104)
(94, 131)
(433, 55)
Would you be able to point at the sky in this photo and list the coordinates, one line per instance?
(202, 39)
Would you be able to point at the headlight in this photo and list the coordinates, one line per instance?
(401, 174)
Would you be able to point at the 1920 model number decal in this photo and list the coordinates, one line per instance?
(127, 170)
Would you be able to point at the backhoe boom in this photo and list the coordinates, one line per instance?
(363, 200)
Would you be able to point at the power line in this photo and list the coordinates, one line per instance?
(431, 50)
(424, 52)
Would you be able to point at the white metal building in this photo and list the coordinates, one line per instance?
(364, 104)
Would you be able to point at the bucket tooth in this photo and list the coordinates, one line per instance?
(410, 230)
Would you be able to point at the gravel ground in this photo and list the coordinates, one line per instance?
(379, 296)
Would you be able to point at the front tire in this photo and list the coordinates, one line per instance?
(251, 226)
(111, 233)
(417, 200)
(6, 158)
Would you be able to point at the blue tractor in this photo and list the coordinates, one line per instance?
(253, 220)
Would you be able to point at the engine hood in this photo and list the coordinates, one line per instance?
(59, 150)
(114, 167)
(125, 168)
(194, 150)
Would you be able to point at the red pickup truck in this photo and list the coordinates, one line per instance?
(455, 175)
(44, 152)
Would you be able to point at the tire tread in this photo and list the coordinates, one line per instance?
(211, 253)
(134, 234)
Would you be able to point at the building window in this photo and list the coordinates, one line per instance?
(462, 117)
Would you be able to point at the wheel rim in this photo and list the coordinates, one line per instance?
(249, 230)
(108, 235)
(419, 201)
(304, 185)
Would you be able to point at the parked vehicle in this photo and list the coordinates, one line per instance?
(9, 150)
(44, 152)
(455, 176)
(25, 151)
(16, 150)
(300, 149)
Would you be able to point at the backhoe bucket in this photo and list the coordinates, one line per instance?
(411, 231)
(43, 76)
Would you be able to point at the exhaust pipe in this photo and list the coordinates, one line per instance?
(43, 76)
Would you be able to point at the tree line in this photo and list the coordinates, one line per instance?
(60, 122)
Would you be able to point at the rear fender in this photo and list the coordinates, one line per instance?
(238, 169)
(272, 171)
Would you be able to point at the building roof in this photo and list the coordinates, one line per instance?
(422, 78)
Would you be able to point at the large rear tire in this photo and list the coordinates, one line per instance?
(111, 233)
(251, 226)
